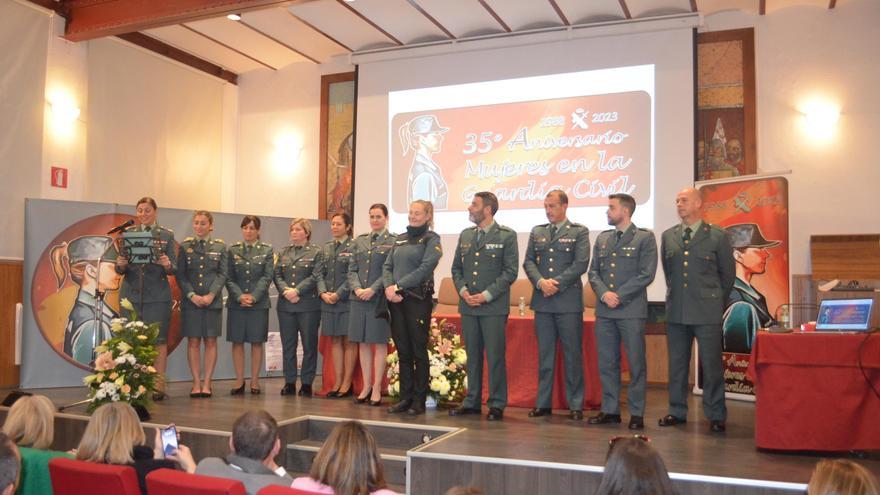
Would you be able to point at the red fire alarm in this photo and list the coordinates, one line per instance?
(59, 177)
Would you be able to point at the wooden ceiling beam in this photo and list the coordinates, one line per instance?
(625, 9)
(315, 29)
(559, 12)
(176, 54)
(495, 15)
(276, 40)
(369, 21)
(431, 18)
(832, 4)
(90, 19)
(230, 47)
(762, 7)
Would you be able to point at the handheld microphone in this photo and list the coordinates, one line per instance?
(120, 228)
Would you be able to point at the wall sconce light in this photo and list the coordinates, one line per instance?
(288, 149)
(820, 118)
(64, 110)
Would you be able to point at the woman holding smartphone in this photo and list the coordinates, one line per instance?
(408, 275)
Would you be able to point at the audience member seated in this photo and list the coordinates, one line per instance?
(347, 464)
(254, 445)
(31, 425)
(10, 465)
(842, 477)
(633, 467)
(114, 435)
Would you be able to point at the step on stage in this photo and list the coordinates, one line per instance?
(426, 455)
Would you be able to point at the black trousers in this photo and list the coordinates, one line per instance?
(410, 322)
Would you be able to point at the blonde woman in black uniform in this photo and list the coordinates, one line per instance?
(408, 276)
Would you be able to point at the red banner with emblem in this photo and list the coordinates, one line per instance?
(754, 212)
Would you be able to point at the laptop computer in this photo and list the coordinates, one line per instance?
(847, 315)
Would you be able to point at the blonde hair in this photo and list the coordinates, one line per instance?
(305, 224)
(429, 210)
(31, 422)
(113, 432)
(349, 461)
(842, 477)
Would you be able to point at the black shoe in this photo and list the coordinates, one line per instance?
(331, 394)
(717, 426)
(195, 395)
(159, 396)
(400, 407)
(305, 390)
(540, 411)
(416, 409)
(359, 400)
(636, 423)
(207, 395)
(255, 390)
(375, 403)
(238, 391)
(342, 395)
(602, 419)
(670, 420)
(495, 414)
(288, 389)
(576, 415)
(461, 411)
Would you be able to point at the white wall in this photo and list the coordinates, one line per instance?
(807, 52)
(286, 105)
(22, 104)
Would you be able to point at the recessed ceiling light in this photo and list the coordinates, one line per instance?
(233, 17)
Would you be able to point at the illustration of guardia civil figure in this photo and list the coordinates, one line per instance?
(424, 135)
(78, 259)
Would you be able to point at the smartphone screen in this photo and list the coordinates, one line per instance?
(169, 440)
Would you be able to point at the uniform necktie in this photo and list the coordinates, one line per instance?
(202, 243)
(617, 236)
(687, 235)
(148, 228)
(247, 249)
(552, 231)
(479, 235)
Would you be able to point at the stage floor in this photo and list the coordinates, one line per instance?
(688, 450)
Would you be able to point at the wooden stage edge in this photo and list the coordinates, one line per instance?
(517, 455)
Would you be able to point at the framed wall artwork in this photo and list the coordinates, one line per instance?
(725, 141)
(336, 174)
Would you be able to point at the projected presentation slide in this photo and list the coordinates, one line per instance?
(588, 133)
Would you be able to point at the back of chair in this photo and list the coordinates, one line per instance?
(72, 477)
(172, 482)
(283, 490)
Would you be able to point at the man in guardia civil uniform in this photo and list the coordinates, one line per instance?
(202, 270)
(699, 268)
(557, 255)
(484, 267)
(624, 264)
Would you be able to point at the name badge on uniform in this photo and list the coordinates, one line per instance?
(494, 246)
(567, 240)
(398, 243)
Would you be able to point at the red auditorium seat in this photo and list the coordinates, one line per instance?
(69, 477)
(171, 482)
(283, 490)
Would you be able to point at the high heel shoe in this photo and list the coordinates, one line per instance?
(237, 391)
(254, 390)
(361, 400)
(348, 393)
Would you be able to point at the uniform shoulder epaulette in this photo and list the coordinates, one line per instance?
(161, 227)
(221, 241)
(506, 228)
(712, 226)
(575, 224)
(365, 234)
(237, 244)
(266, 244)
(189, 239)
(644, 229)
(609, 230)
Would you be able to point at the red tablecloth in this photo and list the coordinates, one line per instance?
(522, 365)
(810, 393)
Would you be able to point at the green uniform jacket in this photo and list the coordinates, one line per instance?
(564, 258)
(299, 269)
(626, 267)
(335, 277)
(156, 287)
(411, 262)
(250, 272)
(365, 268)
(699, 276)
(490, 266)
(202, 269)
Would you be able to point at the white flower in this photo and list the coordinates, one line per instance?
(444, 386)
(125, 303)
(456, 339)
(115, 398)
(436, 371)
(123, 347)
(435, 385)
(459, 356)
(392, 358)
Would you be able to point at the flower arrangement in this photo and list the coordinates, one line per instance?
(124, 364)
(447, 359)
